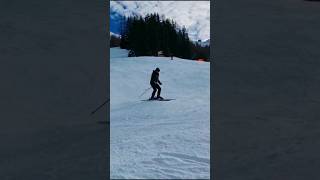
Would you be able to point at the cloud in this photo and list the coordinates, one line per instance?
(194, 15)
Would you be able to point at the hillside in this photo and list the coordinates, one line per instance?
(153, 139)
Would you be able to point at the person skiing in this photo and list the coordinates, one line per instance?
(154, 82)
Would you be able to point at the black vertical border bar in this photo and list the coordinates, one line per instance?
(107, 33)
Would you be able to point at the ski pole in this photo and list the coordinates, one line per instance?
(144, 92)
(105, 102)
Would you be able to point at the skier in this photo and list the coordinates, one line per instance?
(154, 82)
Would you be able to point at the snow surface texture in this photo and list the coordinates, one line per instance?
(159, 139)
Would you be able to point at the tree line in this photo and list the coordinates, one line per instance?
(148, 35)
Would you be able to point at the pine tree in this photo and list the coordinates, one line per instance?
(148, 35)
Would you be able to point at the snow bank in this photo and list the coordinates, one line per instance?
(152, 139)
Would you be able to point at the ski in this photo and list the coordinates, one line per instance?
(158, 99)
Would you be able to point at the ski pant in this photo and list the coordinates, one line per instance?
(156, 88)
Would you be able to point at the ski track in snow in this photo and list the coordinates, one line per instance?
(159, 139)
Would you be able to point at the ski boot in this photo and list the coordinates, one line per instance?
(159, 98)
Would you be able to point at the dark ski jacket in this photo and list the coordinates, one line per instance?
(155, 78)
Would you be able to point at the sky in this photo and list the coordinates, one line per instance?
(194, 15)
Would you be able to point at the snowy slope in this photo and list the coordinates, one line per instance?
(114, 34)
(153, 139)
(203, 43)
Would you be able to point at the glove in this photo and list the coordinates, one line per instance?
(160, 83)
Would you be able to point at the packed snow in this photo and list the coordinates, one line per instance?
(159, 139)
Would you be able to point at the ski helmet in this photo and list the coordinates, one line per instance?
(157, 69)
